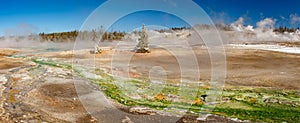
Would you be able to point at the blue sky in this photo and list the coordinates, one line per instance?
(64, 15)
(252, 10)
(146, 17)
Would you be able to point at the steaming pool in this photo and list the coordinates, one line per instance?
(269, 47)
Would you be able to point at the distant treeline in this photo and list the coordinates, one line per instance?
(82, 35)
(59, 36)
(285, 29)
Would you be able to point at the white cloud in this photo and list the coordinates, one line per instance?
(294, 19)
(21, 29)
(267, 23)
(238, 25)
(282, 17)
(219, 17)
(240, 21)
(174, 4)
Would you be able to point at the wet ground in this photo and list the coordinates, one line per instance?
(32, 92)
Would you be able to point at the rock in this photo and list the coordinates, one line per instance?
(142, 110)
(23, 77)
(126, 120)
(58, 72)
(203, 117)
(226, 99)
(3, 79)
(97, 50)
(271, 100)
(91, 75)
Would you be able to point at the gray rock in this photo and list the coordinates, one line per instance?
(142, 110)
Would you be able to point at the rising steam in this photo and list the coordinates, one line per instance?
(25, 35)
(264, 31)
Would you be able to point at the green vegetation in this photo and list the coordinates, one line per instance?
(52, 63)
(265, 113)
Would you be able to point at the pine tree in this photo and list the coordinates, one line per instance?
(142, 46)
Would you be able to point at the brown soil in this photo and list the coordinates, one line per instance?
(8, 63)
(263, 68)
(5, 52)
(58, 90)
(245, 67)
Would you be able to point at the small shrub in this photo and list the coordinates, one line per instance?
(160, 97)
(252, 100)
(198, 101)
